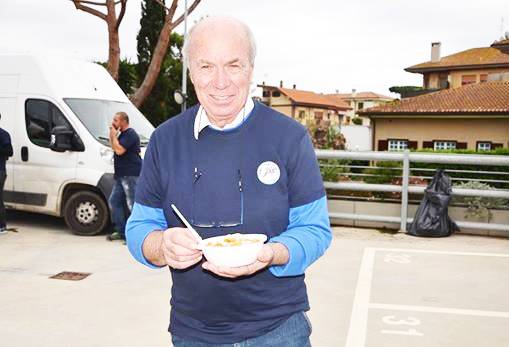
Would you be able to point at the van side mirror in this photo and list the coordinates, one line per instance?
(61, 139)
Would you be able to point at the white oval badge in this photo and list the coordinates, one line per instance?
(268, 172)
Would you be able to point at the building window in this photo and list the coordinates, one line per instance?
(484, 146)
(276, 94)
(443, 80)
(398, 145)
(483, 77)
(318, 115)
(360, 106)
(468, 79)
(266, 93)
(302, 114)
(444, 145)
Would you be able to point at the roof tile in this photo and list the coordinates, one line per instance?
(489, 97)
(312, 98)
(361, 95)
(474, 56)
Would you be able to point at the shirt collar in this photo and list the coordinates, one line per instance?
(201, 122)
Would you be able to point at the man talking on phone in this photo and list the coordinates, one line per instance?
(125, 142)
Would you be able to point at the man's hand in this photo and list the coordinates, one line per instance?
(178, 247)
(113, 131)
(270, 254)
(114, 142)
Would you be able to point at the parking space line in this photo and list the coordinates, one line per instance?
(410, 250)
(447, 310)
(359, 319)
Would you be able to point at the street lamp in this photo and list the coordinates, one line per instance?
(180, 98)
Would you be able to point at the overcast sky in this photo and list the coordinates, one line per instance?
(319, 45)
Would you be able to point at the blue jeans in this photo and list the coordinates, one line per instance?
(121, 201)
(294, 332)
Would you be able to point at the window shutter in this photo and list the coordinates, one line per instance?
(412, 144)
(427, 144)
(496, 145)
(461, 145)
(383, 145)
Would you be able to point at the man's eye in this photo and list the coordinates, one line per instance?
(234, 67)
(206, 67)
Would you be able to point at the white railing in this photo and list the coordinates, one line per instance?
(407, 158)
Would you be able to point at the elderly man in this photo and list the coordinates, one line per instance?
(231, 165)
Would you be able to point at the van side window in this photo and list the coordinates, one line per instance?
(41, 117)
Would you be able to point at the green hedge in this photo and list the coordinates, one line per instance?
(497, 151)
(472, 175)
(385, 174)
(388, 171)
(330, 170)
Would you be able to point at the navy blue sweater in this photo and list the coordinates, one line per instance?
(206, 307)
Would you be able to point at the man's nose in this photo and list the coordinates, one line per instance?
(221, 79)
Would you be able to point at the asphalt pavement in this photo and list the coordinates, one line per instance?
(370, 289)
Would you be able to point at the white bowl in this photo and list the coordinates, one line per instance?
(232, 256)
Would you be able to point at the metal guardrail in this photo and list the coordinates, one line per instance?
(406, 158)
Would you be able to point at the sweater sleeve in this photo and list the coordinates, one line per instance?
(141, 223)
(307, 237)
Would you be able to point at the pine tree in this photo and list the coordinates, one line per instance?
(160, 104)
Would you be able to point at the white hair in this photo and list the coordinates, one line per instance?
(188, 41)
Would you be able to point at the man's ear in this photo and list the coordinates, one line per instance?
(190, 75)
(251, 82)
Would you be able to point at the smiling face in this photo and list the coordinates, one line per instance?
(220, 69)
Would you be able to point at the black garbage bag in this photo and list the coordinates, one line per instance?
(432, 218)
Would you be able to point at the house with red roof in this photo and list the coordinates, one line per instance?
(307, 107)
(474, 65)
(359, 101)
(473, 116)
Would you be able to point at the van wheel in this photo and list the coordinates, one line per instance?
(86, 213)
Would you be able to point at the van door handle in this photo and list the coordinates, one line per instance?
(24, 153)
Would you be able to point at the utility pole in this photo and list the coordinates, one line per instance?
(184, 63)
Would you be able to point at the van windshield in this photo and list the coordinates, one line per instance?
(97, 115)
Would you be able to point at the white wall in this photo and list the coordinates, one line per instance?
(358, 137)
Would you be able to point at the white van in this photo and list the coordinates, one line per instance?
(58, 111)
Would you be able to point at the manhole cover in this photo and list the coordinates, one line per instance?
(70, 276)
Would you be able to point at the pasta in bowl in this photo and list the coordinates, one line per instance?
(232, 250)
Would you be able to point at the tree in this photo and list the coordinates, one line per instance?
(159, 104)
(127, 78)
(112, 22)
(158, 54)
(407, 91)
(160, 49)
